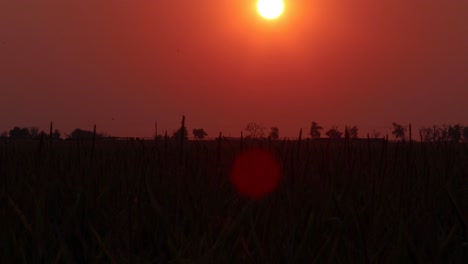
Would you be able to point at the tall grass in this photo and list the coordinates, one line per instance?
(349, 201)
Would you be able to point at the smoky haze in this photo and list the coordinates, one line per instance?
(126, 64)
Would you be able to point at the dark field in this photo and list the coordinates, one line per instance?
(160, 202)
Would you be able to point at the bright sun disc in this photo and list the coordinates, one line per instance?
(270, 9)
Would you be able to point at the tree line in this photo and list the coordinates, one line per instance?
(34, 133)
(443, 133)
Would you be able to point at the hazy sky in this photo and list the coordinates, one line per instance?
(124, 64)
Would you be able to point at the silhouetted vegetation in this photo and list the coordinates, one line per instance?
(455, 132)
(352, 131)
(56, 134)
(80, 134)
(437, 133)
(399, 131)
(334, 133)
(181, 132)
(274, 133)
(315, 130)
(257, 131)
(465, 134)
(18, 132)
(161, 201)
(199, 133)
(29, 133)
(445, 133)
(157, 202)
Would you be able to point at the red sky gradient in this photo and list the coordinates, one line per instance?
(124, 64)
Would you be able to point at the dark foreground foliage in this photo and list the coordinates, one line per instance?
(160, 202)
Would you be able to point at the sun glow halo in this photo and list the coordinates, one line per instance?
(270, 9)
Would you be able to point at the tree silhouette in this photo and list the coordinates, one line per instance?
(177, 134)
(18, 132)
(274, 133)
(399, 131)
(34, 132)
(455, 132)
(199, 133)
(56, 134)
(427, 134)
(80, 134)
(465, 134)
(443, 133)
(334, 133)
(436, 134)
(255, 130)
(315, 130)
(352, 131)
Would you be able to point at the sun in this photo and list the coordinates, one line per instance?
(270, 9)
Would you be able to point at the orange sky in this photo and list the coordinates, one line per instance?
(125, 64)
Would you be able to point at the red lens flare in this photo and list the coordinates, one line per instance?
(255, 173)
